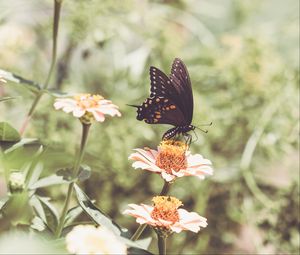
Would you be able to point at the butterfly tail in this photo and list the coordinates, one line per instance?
(133, 105)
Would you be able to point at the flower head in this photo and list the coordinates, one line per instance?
(172, 159)
(164, 214)
(87, 107)
(88, 239)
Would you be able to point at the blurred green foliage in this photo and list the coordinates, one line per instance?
(243, 59)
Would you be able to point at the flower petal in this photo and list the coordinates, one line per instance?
(191, 220)
(167, 177)
(142, 213)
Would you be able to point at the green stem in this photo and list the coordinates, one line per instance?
(57, 8)
(162, 244)
(141, 228)
(85, 131)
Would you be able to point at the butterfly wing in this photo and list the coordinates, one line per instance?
(160, 110)
(160, 84)
(181, 81)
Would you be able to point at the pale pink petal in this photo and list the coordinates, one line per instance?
(66, 104)
(77, 112)
(142, 213)
(148, 154)
(97, 115)
(190, 221)
(145, 160)
(180, 173)
(108, 109)
(144, 166)
(167, 177)
(104, 102)
(196, 160)
(176, 228)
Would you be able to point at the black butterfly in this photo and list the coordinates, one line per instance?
(170, 101)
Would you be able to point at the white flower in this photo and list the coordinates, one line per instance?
(88, 239)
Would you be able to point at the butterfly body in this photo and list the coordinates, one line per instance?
(179, 130)
(170, 101)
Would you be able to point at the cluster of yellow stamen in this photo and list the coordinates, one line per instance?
(86, 101)
(165, 208)
(171, 156)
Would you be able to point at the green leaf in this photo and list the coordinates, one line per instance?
(57, 93)
(72, 214)
(48, 181)
(137, 251)
(45, 211)
(38, 224)
(139, 245)
(21, 143)
(144, 243)
(36, 172)
(17, 210)
(65, 173)
(95, 213)
(50, 212)
(84, 172)
(8, 133)
(3, 201)
(6, 99)
(31, 85)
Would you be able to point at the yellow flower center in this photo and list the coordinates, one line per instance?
(171, 156)
(165, 207)
(86, 101)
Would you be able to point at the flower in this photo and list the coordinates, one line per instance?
(166, 215)
(88, 239)
(171, 160)
(87, 107)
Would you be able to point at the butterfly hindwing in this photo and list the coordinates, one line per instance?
(160, 110)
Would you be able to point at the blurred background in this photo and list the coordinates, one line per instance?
(243, 60)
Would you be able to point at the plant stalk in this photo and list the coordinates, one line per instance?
(56, 17)
(141, 228)
(162, 244)
(85, 131)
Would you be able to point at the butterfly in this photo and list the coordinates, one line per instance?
(170, 101)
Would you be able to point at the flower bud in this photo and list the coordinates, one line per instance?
(16, 182)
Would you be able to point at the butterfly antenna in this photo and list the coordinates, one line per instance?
(203, 130)
(133, 105)
(205, 125)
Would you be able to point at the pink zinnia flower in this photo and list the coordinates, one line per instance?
(87, 107)
(171, 160)
(165, 215)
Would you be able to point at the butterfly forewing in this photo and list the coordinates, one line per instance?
(160, 83)
(160, 110)
(181, 81)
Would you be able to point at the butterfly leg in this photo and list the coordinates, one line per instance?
(196, 136)
(187, 138)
